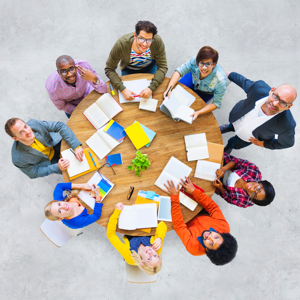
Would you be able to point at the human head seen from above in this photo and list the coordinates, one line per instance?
(206, 60)
(66, 68)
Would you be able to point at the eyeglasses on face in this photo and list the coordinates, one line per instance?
(131, 189)
(281, 102)
(208, 65)
(142, 40)
(65, 72)
(257, 189)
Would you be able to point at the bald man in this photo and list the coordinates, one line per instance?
(263, 118)
(73, 80)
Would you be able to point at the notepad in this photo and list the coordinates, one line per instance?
(174, 170)
(104, 109)
(135, 86)
(115, 130)
(105, 187)
(114, 159)
(102, 143)
(148, 104)
(196, 146)
(206, 170)
(187, 201)
(178, 108)
(150, 133)
(138, 216)
(164, 210)
(76, 167)
(137, 135)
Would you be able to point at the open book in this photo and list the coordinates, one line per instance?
(177, 107)
(138, 216)
(174, 170)
(164, 210)
(187, 201)
(206, 170)
(135, 86)
(186, 94)
(102, 143)
(148, 104)
(105, 187)
(76, 167)
(104, 109)
(196, 146)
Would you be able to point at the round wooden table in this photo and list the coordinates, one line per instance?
(169, 141)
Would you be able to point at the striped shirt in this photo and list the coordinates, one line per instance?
(65, 96)
(139, 61)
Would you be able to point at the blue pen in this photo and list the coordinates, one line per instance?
(92, 159)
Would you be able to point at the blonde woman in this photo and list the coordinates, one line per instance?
(141, 251)
(69, 210)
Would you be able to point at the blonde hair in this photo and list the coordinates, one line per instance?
(144, 267)
(47, 209)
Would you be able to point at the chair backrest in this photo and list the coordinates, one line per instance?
(136, 275)
(57, 232)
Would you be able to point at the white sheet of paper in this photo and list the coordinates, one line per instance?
(187, 201)
(146, 215)
(182, 99)
(148, 104)
(135, 86)
(196, 146)
(206, 170)
(182, 91)
(76, 167)
(127, 218)
(164, 210)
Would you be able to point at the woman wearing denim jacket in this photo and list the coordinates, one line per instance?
(205, 76)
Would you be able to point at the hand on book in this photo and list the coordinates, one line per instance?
(119, 206)
(156, 244)
(145, 93)
(63, 164)
(171, 189)
(79, 153)
(187, 185)
(128, 95)
(87, 74)
(220, 172)
(195, 115)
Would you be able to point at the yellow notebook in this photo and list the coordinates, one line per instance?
(90, 161)
(137, 135)
(142, 200)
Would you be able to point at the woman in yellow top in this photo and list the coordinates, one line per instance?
(141, 251)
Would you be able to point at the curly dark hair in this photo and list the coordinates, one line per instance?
(146, 26)
(270, 194)
(225, 253)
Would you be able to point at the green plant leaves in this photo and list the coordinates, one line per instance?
(139, 163)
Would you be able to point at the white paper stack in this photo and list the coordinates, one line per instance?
(135, 86)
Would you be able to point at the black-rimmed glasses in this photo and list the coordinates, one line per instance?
(131, 189)
(208, 65)
(256, 191)
(142, 40)
(107, 166)
(281, 102)
(64, 72)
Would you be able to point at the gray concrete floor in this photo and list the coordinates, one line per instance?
(259, 39)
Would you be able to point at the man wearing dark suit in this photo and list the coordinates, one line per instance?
(36, 147)
(263, 118)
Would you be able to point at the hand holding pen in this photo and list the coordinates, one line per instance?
(96, 189)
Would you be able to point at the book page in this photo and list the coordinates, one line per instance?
(109, 140)
(127, 218)
(182, 91)
(184, 114)
(146, 215)
(196, 146)
(177, 169)
(164, 211)
(197, 153)
(182, 100)
(148, 104)
(96, 116)
(109, 105)
(76, 167)
(171, 104)
(206, 170)
(162, 179)
(187, 201)
(98, 145)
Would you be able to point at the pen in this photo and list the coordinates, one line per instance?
(168, 91)
(72, 151)
(95, 191)
(92, 159)
(112, 90)
(136, 96)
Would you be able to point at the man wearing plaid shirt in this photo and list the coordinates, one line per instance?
(242, 183)
(73, 80)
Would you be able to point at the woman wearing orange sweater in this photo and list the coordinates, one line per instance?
(206, 233)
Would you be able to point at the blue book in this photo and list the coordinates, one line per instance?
(115, 130)
(113, 159)
(150, 133)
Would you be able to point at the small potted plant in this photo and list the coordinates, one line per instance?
(140, 163)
